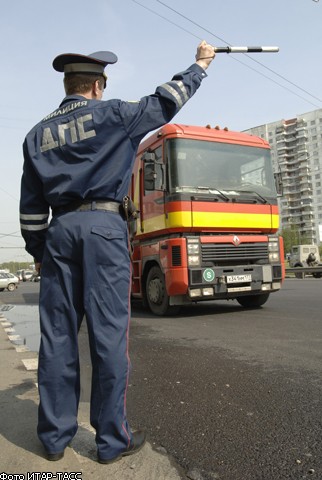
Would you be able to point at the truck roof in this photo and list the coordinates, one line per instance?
(173, 130)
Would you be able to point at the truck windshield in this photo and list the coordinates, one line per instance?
(212, 167)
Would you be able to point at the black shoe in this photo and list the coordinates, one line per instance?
(138, 441)
(53, 457)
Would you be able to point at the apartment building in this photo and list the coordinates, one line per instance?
(297, 153)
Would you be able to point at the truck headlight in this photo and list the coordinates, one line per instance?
(193, 260)
(274, 257)
(273, 250)
(193, 249)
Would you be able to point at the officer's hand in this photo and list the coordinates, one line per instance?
(205, 54)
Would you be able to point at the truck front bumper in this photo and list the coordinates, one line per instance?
(229, 282)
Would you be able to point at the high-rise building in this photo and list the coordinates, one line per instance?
(297, 154)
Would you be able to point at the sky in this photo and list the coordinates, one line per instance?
(153, 42)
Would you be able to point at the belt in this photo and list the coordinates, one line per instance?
(88, 205)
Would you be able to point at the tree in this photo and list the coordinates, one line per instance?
(14, 266)
(291, 236)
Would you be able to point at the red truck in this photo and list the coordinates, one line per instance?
(208, 221)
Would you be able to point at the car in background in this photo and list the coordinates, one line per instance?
(35, 277)
(12, 275)
(19, 274)
(8, 281)
(27, 275)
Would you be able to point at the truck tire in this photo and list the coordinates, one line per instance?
(317, 275)
(299, 274)
(11, 287)
(253, 301)
(156, 295)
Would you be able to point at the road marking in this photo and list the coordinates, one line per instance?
(6, 308)
(21, 348)
(9, 329)
(14, 338)
(30, 363)
(5, 323)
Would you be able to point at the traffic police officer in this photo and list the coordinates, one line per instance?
(78, 162)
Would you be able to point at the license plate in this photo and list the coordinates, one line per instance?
(239, 289)
(239, 278)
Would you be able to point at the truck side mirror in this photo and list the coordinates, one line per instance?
(149, 176)
(278, 183)
(153, 171)
(149, 171)
(148, 157)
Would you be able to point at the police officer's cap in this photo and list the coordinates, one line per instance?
(94, 63)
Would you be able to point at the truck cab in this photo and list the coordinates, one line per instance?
(208, 220)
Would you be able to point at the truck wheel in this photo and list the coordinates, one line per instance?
(11, 287)
(299, 274)
(253, 301)
(317, 275)
(1, 289)
(156, 294)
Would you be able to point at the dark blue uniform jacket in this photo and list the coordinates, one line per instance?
(86, 149)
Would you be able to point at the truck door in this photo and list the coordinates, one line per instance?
(153, 186)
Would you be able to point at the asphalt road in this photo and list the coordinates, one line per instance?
(231, 394)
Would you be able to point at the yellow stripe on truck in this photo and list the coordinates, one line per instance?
(214, 220)
(235, 220)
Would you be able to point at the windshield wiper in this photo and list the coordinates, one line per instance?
(253, 192)
(216, 189)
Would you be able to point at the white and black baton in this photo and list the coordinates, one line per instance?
(245, 49)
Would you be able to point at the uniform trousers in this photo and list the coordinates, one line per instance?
(85, 272)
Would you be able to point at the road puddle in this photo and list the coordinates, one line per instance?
(24, 329)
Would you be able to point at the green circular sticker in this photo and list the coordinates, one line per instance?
(208, 275)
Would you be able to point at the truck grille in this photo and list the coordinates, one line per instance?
(228, 254)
